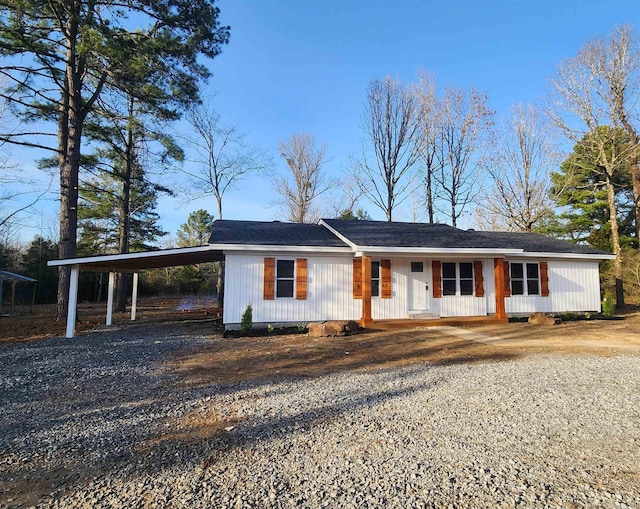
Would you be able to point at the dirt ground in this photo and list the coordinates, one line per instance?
(225, 360)
(42, 323)
(230, 360)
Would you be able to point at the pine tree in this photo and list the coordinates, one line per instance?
(60, 55)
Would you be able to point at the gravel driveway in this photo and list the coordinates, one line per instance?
(97, 422)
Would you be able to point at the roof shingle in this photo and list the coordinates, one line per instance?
(273, 234)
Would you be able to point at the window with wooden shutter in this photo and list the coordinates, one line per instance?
(479, 278)
(436, 276)
(301, 278)
(385, 268)
(507, 279)
(268, 287)
(357, 278)
(544, 279)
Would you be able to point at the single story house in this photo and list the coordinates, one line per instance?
(374, 270)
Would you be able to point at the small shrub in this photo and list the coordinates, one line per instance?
(608, 306)
(269, 328)
(246, 323)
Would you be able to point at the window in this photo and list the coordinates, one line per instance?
(417, 267)
(375, 279)
(285, 278)
(457, 278)
(525, 279)
(466, 278)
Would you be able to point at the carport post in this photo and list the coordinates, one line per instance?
(134, 297)
(73, 300)
(112, 281)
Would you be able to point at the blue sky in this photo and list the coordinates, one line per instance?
(296, 66)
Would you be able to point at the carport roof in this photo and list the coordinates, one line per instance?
(144, 260)
(12, 276)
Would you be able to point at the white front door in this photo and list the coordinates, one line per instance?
(418, 286)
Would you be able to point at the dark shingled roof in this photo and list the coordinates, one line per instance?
(534, 243)
(386, 234)
(273, 234)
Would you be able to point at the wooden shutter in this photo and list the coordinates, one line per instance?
(436, 276)
(385, 278)
(479, 279)
(357, 278)
(507, 279)
(268, 289)
(544, 279)
(301, 278)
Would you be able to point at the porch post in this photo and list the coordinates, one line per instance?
(134, 297)
(366, 292)
(112, 281)
(73, 300)
(498, 276)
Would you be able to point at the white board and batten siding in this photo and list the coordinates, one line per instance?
(329, 290)
(574, 286)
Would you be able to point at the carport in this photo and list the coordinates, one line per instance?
(130, 263)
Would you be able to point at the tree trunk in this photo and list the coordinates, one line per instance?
(124, 233)
(69, 170)
(615, 242)
(429, 192)
(220, 284)
(70, 121)
(453, 214)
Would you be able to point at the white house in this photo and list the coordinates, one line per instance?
(372, 270)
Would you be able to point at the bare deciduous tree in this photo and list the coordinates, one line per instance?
(223, 156)
(345, 201)
(464, 124)
(615, 65)
(581, 108)
(223, 160)
(299, 190)
(390, 124)
(519, 170)
(427, 136)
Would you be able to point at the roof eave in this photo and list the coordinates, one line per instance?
(577, 256)
(367, 250)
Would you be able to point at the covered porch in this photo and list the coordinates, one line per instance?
(363, 290)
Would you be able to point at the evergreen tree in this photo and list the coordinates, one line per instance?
(60, 55)
(201, 277)
(197, 230)
(34, 264)
(580, 190)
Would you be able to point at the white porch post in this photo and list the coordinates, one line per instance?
(112, 282)
(73, 300)
(134, 297)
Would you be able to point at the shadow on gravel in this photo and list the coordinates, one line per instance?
(129, 402)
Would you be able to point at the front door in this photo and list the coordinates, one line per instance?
(418, 286)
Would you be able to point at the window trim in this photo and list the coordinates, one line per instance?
(458, 279)
(525, 280)
(292, 279)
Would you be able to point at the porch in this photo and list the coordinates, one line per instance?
(452, 321)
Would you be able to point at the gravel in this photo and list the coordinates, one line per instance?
(96, 422)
